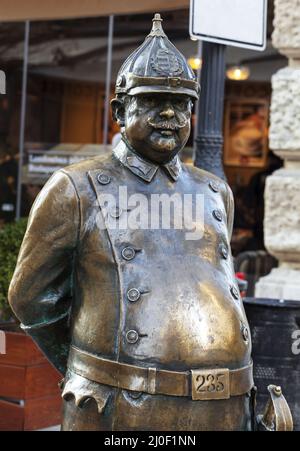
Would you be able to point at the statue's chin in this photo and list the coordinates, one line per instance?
(164, 145)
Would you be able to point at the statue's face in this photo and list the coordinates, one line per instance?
(157, 125)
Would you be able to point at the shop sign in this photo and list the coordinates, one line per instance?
(40, 162)
(240, 23)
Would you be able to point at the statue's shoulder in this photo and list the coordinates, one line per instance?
(82, 174)
(202, 176)
(81, 168)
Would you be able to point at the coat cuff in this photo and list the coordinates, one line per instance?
(53, 339)
(28, 328)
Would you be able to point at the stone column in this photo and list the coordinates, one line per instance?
(282, 192)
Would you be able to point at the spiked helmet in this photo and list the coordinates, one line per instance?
(155, 67)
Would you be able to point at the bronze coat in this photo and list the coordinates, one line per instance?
(187, 316)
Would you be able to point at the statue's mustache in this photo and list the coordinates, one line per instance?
(166, 125)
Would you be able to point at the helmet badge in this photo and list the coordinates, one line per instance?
(166, 63)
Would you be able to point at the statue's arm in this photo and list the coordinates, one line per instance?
(40, 292)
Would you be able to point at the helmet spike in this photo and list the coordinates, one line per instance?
(157, 16)
(157, 29)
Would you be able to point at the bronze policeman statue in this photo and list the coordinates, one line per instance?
(146, 323)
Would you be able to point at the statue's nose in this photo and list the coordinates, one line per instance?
(167, 113)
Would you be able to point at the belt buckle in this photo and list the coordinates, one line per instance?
(210, 384)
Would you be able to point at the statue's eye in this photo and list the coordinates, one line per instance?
(183, 104)
(149, 101)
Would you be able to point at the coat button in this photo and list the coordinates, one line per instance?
(132, 336)
(115, 212)
(217, 214)
(234, 292)
(133, 295)
(214, 186)
(103, 179)
(128, 253)
(224, 251)
(245, 333)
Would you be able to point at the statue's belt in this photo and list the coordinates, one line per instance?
(206, 384)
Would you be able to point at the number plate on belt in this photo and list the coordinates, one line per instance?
(210, 384)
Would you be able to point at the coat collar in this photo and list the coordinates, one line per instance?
(143, 168)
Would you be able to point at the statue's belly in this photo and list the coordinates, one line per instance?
(188, 319)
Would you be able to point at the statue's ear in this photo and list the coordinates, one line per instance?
(118, 111)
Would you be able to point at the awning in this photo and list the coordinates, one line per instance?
(15, 10)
